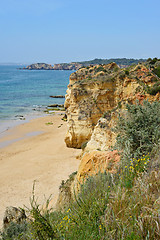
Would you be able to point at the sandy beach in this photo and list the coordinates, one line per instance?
(34, 151)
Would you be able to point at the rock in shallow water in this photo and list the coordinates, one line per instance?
(58, 96)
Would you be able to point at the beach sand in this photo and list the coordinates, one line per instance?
(34, 151)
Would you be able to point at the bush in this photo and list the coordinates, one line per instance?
(16, 231)
(138, 129)
(153, 61)
(157, 71)
(154, 89)
(99, 69)
(126, 72)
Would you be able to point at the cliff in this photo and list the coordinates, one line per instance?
(94, 91)
(95, 97)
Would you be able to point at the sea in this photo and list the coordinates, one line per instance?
(25, 94)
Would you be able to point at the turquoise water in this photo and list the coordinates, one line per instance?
(25, 92)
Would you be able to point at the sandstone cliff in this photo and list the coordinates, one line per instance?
(95, 96)
(93, 91)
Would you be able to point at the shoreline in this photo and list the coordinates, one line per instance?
(38, 154)
(8, 124)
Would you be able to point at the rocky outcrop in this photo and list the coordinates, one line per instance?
(103, 138)
(60, 66)
(96, 90)
(97, 161)
(39, 66)
(13, 214)
(57, 96)
(66, 192)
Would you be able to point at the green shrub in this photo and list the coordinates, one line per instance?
(138, 129)
(99, 69)
(126, 72)
(154, 89)
(153, 61)
(132, 169)
(157, 71)
(115, 69)
(16, 231)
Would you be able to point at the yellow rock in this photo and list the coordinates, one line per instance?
(97, 161)
(98, 89)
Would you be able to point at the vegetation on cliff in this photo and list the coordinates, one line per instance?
(121, 205)
(95, 90)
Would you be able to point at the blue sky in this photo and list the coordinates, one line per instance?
(55, 31)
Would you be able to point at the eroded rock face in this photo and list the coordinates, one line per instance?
(86, 101)
(96, 90)
(103, 138)
(97, 161)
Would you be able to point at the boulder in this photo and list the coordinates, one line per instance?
(13, 214)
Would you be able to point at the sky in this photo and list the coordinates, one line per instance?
(56, 31)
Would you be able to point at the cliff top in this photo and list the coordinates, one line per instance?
(147, 74)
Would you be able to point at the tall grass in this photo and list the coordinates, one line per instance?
(124, 205)
(105, 208)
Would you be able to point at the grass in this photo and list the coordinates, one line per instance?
(120, 206)
(105, 208)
